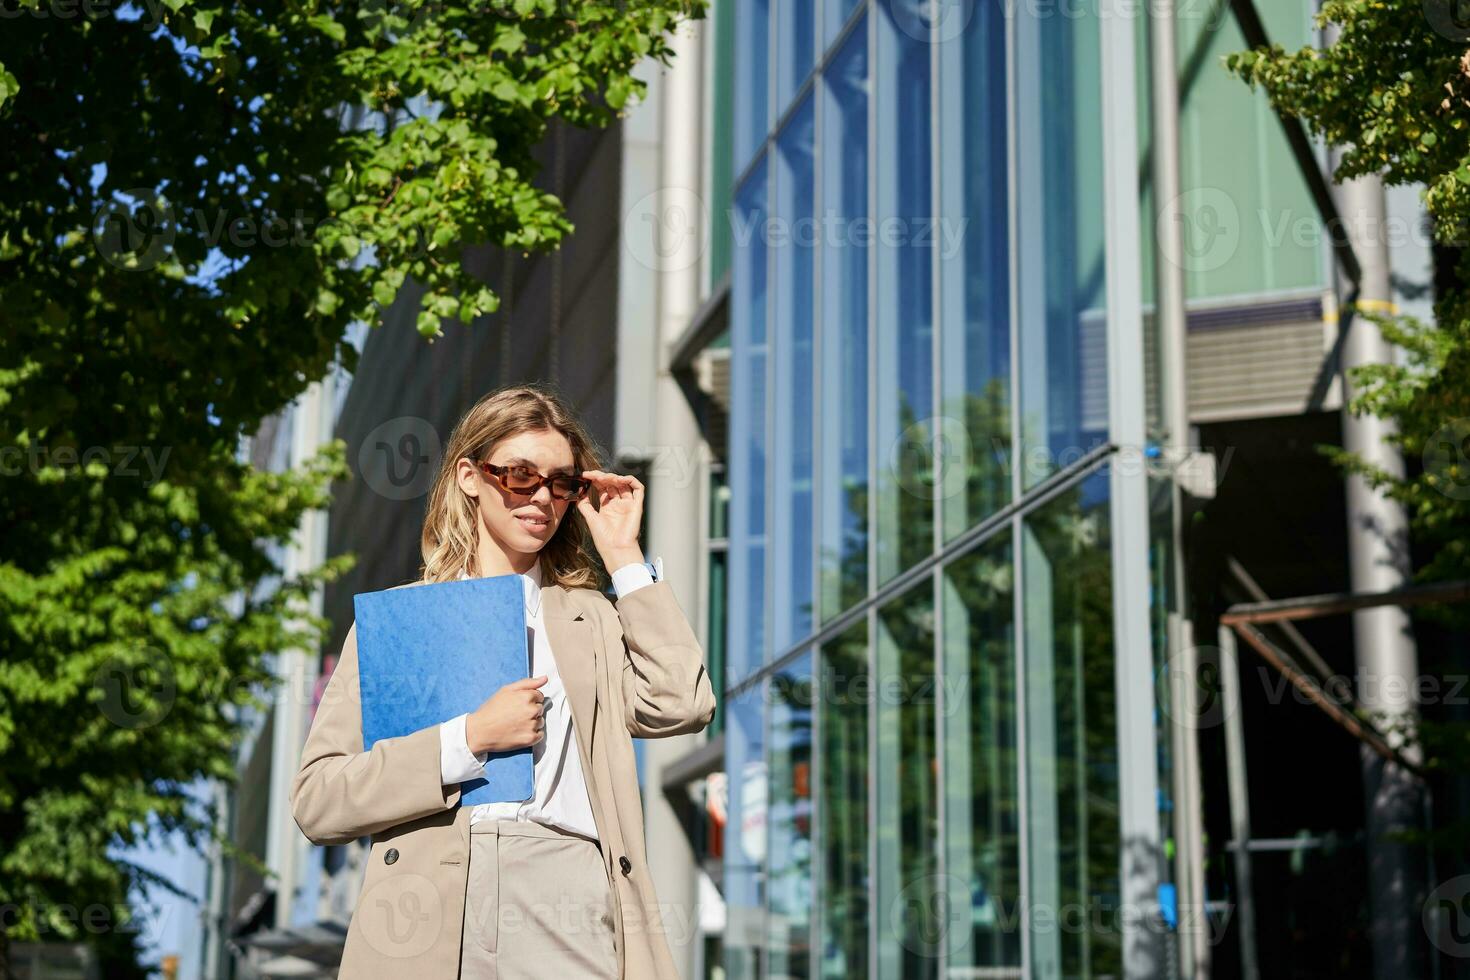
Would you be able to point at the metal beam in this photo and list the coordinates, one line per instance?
(1308, 685)
(1316, 606)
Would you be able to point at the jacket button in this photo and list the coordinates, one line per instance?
(391, 855)
(625, 864)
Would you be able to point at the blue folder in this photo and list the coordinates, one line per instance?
(427, 653)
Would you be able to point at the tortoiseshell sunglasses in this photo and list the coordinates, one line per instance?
(526, 481)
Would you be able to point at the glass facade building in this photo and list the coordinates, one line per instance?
(923, 740)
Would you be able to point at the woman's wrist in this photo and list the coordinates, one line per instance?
(619, 557)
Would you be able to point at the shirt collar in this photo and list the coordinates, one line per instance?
(531, 583)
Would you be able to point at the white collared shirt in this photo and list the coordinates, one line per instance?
(560, 796)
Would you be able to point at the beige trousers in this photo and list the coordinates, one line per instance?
(537, 904)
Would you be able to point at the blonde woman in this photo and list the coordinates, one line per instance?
(557, 886)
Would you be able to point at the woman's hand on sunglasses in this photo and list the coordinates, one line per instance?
(616, 518)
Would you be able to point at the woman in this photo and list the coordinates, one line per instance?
(558, 885)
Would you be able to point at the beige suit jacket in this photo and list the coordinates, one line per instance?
(630, 669)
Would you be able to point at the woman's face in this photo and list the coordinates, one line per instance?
(521, 523)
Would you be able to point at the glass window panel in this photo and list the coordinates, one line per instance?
(844, 443)
(795, 45)
(846, 920)
(1071, 736)
(1063, 350)
(904, 234)
(793, 245)
(834, 15)
(789, 882)
(752, 67)
(974, 275)
(908, 920)
(748, 431)
(745, 834)
(981, 794)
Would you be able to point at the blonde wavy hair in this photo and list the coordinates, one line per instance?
(451, 524)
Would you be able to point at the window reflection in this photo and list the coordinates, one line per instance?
(796, 41)
(908, 924)
(793, 244)
(845, 410)
(974, 275)
(789, 883)
(845, 694)
(745, 834)
(748, 431)
(1060, 267)
(904, 233)
(752, 32)
(981, 793)
(1071, 736)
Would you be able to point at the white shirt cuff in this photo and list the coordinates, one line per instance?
(457, 764)
(635, 575)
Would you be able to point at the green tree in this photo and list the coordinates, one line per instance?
(199, 197)
(1394, 92)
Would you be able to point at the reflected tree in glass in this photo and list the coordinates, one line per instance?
(908, 921)
(846, 921)
(1071, 736)
(745, 834)
(789, 878)
(982, 886)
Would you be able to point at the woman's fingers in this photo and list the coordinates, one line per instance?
(615, 484)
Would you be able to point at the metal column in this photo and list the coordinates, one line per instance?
(1385, 654)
